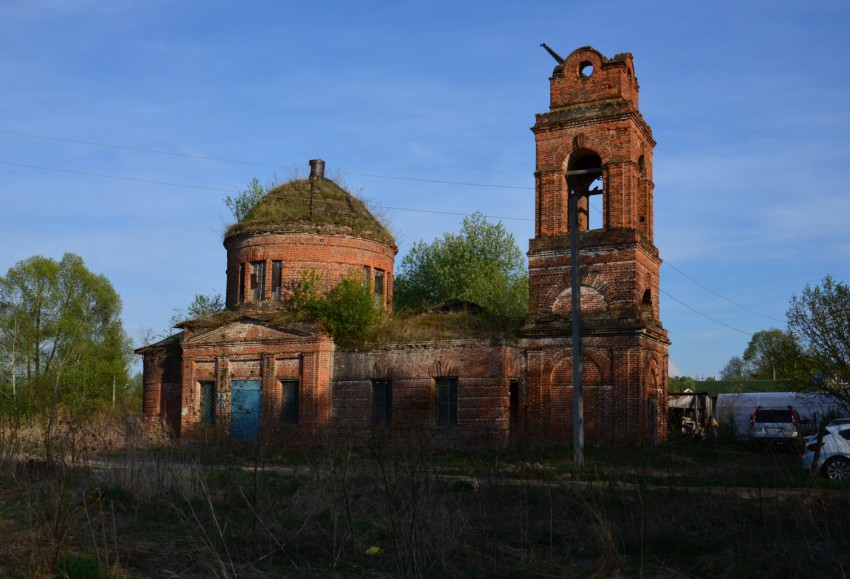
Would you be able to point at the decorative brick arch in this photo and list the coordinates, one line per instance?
(561, 150)
(592, 300)
(381, 370)
(582, 141)
(653, 374)
(562, 291)
(445, 368)
(597, 361)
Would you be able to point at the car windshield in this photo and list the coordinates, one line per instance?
(777, 415)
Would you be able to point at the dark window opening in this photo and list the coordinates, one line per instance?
(277, 277)
(646, 304)
(513, 391)
(379, 286)
(289, 412)
(241, 283)
(258, 281)
(207, 403)
(382, 402)
(446, 401)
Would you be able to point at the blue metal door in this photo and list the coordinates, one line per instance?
(245, 410)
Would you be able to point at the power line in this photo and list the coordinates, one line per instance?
(137, 149)
(705, 287)
(116, 177)
(708, 289)
(439, 182)
(369, 175)
(254, 163)
(207, 188)
(715, 320)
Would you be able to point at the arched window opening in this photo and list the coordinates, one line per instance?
(584, 177)
(646, 303)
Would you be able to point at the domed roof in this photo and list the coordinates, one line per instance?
(311, 206)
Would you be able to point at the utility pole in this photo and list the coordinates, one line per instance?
(580, 189)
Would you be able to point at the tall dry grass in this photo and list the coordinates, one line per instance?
(126, 501)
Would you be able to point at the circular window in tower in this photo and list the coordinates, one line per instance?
(585, 69)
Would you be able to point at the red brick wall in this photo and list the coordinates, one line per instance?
(484, 371)
(161, 386)
(247, 354)
(333, 257)
(624, 346)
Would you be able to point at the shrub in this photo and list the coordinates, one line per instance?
(347, 312)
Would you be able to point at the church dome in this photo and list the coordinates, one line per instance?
(306, 226)
(311, 205)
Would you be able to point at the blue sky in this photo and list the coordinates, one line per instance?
(748, 102)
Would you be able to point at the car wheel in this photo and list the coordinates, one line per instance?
(837, 468)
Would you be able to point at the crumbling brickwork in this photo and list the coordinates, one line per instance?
(250, 378)
(594, 123)
(484, 370)
(332, 256)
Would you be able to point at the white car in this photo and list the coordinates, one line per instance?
(834, 460)
(813, 437)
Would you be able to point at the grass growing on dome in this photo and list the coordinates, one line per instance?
(303, 205)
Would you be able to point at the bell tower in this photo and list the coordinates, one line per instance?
(594, 143)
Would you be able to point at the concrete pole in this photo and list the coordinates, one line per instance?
(575, 284)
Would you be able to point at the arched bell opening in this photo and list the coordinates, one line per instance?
(584, 177)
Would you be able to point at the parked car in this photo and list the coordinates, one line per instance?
(834, 459)
(835, 422)
(775, 427)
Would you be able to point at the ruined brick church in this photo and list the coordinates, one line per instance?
(254, 374)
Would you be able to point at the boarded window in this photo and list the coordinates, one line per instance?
(382, 402)
(258, 281)
(290, 401)
(207, 403)
(277, 277)
(446, 401)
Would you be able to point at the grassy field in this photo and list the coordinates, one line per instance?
(131, 506)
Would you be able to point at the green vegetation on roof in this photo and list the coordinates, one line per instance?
(428, 326)
(318, 206)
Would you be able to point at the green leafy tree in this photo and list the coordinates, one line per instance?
(820, 319)
(736, 369)
(63, 341)
(482, 265)
(201, 307)
(681, 383)
(770, 355)
(348, 311)
(773, 355)
(242, 204)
